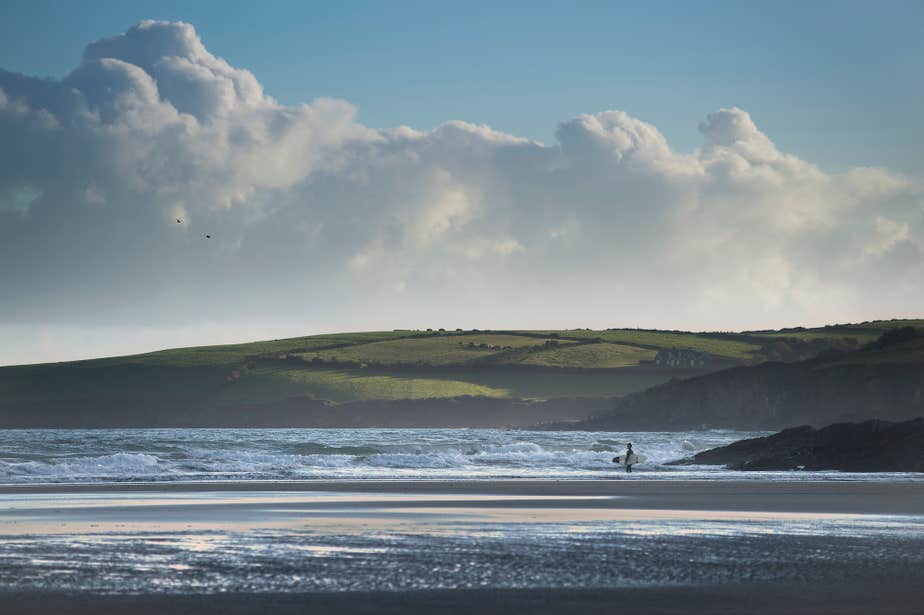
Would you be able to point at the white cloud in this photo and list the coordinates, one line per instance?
(313, 214)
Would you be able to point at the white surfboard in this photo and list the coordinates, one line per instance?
(633, 459)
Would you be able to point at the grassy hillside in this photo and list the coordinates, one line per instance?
(883, 379)
(717, 344)
(439, 350)
(900, 347)
(412, 364)
(347, 385)
(599, 355)
(234, 354)
(862, 332)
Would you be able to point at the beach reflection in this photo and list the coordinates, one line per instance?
(321, 541)
(356, 513)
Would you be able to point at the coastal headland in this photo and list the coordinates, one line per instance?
(640, 379)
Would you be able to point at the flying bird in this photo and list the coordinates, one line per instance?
(208, 236)
(178, 221)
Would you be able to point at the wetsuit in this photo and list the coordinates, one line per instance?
(629, 451)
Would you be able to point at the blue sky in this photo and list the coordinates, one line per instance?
(707, 166)
(837, 83)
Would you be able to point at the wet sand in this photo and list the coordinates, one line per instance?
(453, 514)
(859, 497)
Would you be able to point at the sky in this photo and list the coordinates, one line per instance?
(714, 166)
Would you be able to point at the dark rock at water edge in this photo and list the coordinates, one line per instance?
(870, 446)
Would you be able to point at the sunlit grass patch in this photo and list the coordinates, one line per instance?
(598, 356)
(435, 350)
(727, 348)
(351, 385)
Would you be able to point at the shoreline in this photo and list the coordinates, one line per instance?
(848, 497)
(553, 546)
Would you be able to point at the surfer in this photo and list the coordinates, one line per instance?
(630, 457)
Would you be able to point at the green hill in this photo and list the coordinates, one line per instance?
(397, 365)
(884, 379)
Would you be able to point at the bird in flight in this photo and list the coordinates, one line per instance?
(178, 221)
(208, 236)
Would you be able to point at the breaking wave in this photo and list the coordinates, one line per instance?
(34, 456)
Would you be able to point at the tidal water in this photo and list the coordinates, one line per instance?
(120, 455)
(187, 542)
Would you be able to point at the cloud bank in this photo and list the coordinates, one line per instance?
(319, 222)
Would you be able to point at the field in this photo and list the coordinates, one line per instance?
(345, 385)
(415, 364)
(433, 351)
(600, 355)
(725, 347)
(233, 354)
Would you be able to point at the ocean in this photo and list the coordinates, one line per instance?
(155, 455)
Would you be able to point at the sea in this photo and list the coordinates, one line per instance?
(152, 455)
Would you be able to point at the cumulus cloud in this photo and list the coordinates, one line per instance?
(319, 222)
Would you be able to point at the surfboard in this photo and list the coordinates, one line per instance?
(634, 459)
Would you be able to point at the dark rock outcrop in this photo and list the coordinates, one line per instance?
(871, 446)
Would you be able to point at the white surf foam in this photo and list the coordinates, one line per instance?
(181, 454)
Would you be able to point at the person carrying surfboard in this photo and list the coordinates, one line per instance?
(630, 457)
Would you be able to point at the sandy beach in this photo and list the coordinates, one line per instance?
(448, 546)
(847, 496)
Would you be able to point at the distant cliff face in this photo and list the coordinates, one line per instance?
(885, 380)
